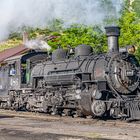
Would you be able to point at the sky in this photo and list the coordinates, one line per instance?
(14, 14)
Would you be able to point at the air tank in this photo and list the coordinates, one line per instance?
(83, 50)
(59, 54)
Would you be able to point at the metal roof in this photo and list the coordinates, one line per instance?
(18, 50)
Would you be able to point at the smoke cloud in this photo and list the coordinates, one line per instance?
(15, 14)
(37, 44)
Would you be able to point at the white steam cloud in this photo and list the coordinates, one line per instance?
(37, 44)
(15, 14)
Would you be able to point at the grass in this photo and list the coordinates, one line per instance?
(9, 44)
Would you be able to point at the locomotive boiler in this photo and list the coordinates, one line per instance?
(82, 83)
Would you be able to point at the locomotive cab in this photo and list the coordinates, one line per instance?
(19, 69)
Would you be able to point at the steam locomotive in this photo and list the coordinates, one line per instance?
(79, 83)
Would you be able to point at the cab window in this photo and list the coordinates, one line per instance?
(12, 69)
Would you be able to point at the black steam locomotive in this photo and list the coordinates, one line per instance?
(77, 84)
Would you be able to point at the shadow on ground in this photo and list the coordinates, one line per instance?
(6, 134)
(4, 116)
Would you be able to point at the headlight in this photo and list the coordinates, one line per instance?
(131, 49)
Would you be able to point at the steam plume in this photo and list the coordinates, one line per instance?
(15, 14)
(37, 44)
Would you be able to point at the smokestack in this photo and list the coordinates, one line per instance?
(113, 33)
(25, 37)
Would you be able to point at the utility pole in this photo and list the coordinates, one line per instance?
(130, 2)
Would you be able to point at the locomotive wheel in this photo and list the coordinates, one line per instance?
(28, 107)
(98, 108)
(16, 106)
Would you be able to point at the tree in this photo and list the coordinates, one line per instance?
(130, 29)
(80, 34)
(109, 10)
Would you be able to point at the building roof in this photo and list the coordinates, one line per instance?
(18, 50)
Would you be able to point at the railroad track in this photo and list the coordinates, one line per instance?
(67, 119)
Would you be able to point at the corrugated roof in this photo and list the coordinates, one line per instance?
(12, 52)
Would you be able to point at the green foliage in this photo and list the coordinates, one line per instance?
(109, 11)
(9, 44)
(138, 53)
(136, 7)
(15, 36)
(130, 29)
(64, 37)
(80, 34)
(35, 32)
(56, 25)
